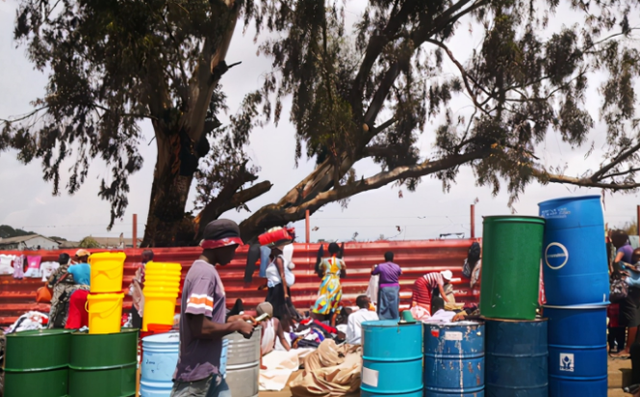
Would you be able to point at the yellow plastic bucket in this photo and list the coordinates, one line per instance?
(163, 280)
(163, 290)
(105, 313)
(161, 266)
(106, 272)
(164, 284)
(160, 273)
(159, 308)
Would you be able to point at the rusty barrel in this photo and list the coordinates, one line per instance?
(454, 359)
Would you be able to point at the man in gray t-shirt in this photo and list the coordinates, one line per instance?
(202, 316)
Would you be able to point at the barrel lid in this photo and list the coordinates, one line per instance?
(576, 198)
(40, 332)
(387, 324)
(168, 337)
(513, 218)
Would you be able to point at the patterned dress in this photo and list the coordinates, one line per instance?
(330, 292)
(63, 285)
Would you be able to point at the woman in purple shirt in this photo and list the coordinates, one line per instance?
(630, 306)
(389, 292)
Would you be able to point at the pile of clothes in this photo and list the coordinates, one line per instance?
(29, 321)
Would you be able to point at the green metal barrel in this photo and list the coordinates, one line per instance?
(36, 363)
(103, 365)
(511, 254)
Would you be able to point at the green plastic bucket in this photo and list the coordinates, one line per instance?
(103, 365)
(47, 383)
(37, 350)
(511, 254)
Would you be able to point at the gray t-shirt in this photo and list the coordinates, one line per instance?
(203, 293)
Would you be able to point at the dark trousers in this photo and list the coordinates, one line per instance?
(616, 337)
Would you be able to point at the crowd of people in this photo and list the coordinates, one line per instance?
(204, 321)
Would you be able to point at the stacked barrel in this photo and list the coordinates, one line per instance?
(161, 288)
(105, 299)
(576, 283)
(516, 347)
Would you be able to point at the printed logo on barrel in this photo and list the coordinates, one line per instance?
(556, 256)
(566, 362)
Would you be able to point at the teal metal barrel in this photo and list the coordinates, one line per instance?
(37, 363)
(392, 359)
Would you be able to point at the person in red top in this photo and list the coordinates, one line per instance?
(423, 287)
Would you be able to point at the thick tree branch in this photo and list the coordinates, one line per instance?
(228, 199)
(275, 214)
(587, 182)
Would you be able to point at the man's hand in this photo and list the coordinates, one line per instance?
(245, 328)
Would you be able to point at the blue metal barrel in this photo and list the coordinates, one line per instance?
(516, 358)
(392, 359)
(454, 359)
(574, 251)
(159, 359)
(577, 351)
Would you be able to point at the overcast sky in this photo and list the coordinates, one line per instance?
(26, 200)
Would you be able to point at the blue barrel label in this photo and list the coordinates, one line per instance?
(556, 256)
(555, 213)
(369, 377)
(567, 363)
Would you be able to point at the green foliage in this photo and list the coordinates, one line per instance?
(88, 242)
(7, 231)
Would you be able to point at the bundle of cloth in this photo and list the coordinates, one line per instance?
(330, 371)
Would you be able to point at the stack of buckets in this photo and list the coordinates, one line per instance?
(161, 288)
(577, 290)
(516, 342)
(105, 300)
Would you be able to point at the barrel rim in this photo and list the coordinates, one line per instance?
(587, 197)
(580, 378)
(595, 306)
(578, 347)
(456, 356)
(117, 366)
(123, 330)
(456, 391)
(41, 333)
(513, 218)
(375, 390)
(42, 369)
(392, 360)
(512, 320)
(496, 386)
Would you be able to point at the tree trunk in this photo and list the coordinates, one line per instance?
(169, 194)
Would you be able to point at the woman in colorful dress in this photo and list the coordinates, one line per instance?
(330, 292)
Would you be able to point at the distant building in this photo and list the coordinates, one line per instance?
(29, 242)
(115, 242)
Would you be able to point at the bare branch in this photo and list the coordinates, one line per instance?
(617, 160)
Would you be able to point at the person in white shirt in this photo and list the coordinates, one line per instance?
(354, 325)
(439, 314)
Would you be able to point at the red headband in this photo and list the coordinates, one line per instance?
(224, 242)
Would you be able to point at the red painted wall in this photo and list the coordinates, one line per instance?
(415, 258)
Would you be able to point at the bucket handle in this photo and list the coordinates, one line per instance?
(86, 307)
(105, 271)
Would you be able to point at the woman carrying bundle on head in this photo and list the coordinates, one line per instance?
(331, 269)
(279, 275)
